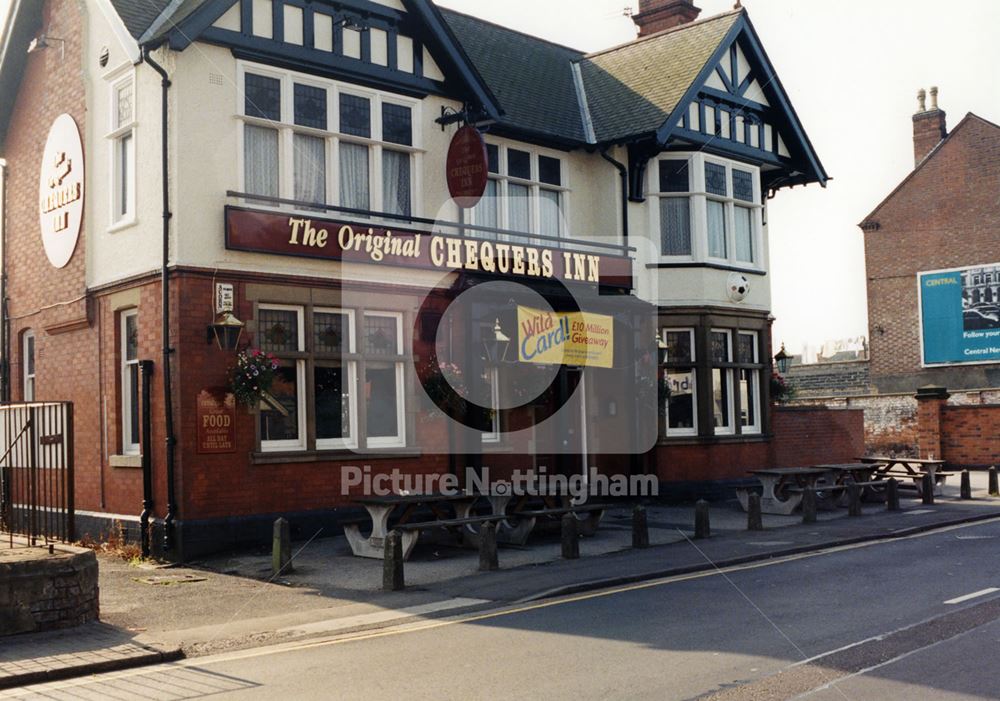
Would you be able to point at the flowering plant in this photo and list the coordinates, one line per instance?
(252, 376)
(781, 389)
(444, 384)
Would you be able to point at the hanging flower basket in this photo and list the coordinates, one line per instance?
(250, 379)
(781, 389)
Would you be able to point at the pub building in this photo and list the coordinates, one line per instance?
(184, 181)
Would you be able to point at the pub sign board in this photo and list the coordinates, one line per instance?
(216, 418)
(60, 191)
(467, 167)
(311, 237)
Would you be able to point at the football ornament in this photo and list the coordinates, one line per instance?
(737, 286)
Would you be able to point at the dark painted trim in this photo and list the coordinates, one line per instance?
(728, 147)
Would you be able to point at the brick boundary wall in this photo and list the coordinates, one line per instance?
(807, 435)
(970, 435)
(48, 591)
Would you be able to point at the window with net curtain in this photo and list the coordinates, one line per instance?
(355, 120)
(262, 99)
(675, 210)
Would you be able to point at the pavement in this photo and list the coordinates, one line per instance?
(152, 613)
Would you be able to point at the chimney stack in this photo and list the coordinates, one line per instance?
(929, 126)
(658, 15)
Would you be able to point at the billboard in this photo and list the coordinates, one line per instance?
(960, 315)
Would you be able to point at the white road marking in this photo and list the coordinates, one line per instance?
(918, 511)
(365, 619)
(973, 595)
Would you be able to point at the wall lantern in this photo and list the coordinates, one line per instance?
(497, 345)
(782, 359)
(661, 349)
(42, 42)
(226, 331)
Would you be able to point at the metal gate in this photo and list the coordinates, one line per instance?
(36, 470)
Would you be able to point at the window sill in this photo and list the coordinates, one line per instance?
(709, 440)
(122, 225)
(306, 456)
(125, 461)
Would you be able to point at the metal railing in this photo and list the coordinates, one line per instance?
(36, 471)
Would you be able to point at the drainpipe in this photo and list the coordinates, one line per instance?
(623, 171)
(4, 317)
(168, 410)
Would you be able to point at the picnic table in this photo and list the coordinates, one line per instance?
(783, 488)
(381, 509)
(910, 468)
(860, 473)
(522, 511)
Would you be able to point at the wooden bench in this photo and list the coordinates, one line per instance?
(588, 525)
(469, 535)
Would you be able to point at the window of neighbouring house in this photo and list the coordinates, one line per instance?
(122, 138)
(28, 366)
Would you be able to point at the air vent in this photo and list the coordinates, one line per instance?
(215, 79)
(102, 58)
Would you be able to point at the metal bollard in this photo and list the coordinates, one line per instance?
(927, 489)
(392, 564)
(892, 495)
(702, 525)
(281, 547)
(755, 521)
(809, 505)
(994, 485)
(488, 559)
(966, 485)
(853, 499)
(640, 527)
(570, 537)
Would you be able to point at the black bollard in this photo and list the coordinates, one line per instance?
(966, 485)
(281, 547)
(702, 526)
(488, 560)
(640, 527)
(853, 499)
(809, 505)
(892, 495)
(392, 565)
(570, 537)
(994, 485)
(927, 488)
(755, 521)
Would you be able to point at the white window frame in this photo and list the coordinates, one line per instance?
(128, 447)
(493, 435)
(693, 429)
(727, 374)
(754, 387)
(534, 185)
(287, 128)
(116, 137)
(350, 365)
(270, 446)
(28, 378)
(399, 440)
(698, 197)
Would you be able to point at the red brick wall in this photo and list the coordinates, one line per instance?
(969, 435)
(945, 216)
(811, 436)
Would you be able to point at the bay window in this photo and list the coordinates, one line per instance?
(721, 349)
(320, 142)
(707, 209)
(326, 355)
(749, 381)
(680, 374)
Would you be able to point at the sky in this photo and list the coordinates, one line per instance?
(852, 69)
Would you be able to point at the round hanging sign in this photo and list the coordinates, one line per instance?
(467, 167)
(60, 191)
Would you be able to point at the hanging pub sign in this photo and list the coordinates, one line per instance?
(312, 237)
(216, 418)
(60, 191)
(565, 338)
(467, 167)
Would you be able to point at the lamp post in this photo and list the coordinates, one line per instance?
(497, 345)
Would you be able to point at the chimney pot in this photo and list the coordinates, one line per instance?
(930, 126)
(921, 100)
(659, 15)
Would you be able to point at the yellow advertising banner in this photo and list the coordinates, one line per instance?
(565, 338)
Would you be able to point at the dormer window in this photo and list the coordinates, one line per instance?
(707, 209)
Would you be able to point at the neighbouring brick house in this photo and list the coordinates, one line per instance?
(297, 133)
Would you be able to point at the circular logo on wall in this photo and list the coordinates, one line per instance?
(467, 167)
(60, 191)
